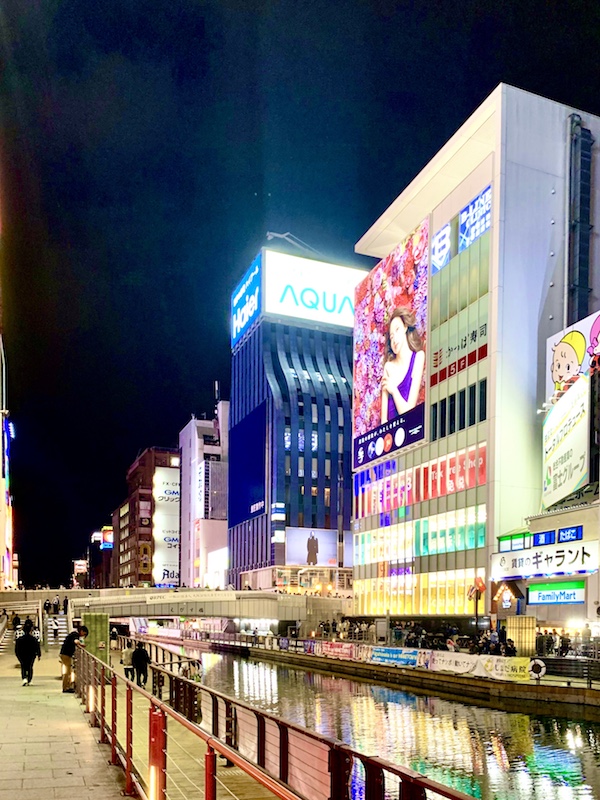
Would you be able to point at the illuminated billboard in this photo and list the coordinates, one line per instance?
(317, 547)
(165, 526)
(246, 301)
(390, 332)
(310, 290)
(571, 352)
(566, 439)
(475, 219)
(107, 538)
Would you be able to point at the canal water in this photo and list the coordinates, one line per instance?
(492, 755)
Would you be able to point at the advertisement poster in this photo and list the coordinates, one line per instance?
(396, 656)
(503, 669)
(246, 301)
(247, 467)
(165, 526)
(561, 559)
(571, 352)
(566, 438)
(459, 663)
(311, 547)
(338, 650)
(390, 330)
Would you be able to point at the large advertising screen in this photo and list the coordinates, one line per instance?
(247, 467)
(246, 301)
(390, 331)
(315, 547)
(571, 352)
(165, 526)
(309, 290)
(566, 438)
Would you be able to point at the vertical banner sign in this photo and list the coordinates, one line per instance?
(165, 526)
(566, 443)
(390, 332)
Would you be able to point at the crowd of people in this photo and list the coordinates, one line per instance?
(552, 643)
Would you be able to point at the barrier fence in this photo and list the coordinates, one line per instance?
(521, 669)
(168, 743)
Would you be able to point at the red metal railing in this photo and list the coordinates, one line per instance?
(145, 732)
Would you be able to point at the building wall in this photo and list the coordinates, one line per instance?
(512, 280)
(305, 378)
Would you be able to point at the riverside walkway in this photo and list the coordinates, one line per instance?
(47, 747)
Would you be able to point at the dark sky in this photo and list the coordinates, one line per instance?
(146, 146)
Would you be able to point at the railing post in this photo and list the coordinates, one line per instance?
(409, 790)
(340, 767)
(284, 745)
(113, 721)
(157, 754)
(210, 774)
(103, 737)
(129, 741)
(261, 739)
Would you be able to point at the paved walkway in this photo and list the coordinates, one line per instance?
(47, 747)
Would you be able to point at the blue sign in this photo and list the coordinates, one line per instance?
(547, 537)
(246, 301)
(570, 534)
(396, 656)
(440, 249)
(475, 219)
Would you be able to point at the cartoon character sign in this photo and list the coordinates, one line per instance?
(570, 353)
(567, 359)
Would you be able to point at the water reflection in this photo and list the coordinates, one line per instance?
(493, 755)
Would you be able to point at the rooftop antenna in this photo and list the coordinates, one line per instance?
(291, 239)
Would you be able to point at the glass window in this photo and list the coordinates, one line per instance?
(504, 545)
(443, 411)
(462, 409)
(482, 399)
(473, 252)
(452, 413)
(444, 274)
(434, 308)
(484, 264)
(434, 426)
(472, 404)
(453, 288)
(463, 292)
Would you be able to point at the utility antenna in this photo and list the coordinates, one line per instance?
(291, 239)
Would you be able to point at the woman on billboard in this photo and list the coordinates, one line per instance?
(403, 371)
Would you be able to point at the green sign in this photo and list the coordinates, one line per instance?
(556, 594)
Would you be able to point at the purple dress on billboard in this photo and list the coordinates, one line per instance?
(403, 388)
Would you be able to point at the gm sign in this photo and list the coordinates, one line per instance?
(309, 290)
(246, 301)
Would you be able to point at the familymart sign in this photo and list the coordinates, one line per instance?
(556, 594)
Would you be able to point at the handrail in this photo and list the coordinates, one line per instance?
(293, 755)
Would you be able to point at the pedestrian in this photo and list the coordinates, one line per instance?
(56, 605)
(114, 635)
(65, 605)
(16, 621)
(47, 605)
(55, 629)
(67, 651)
(27, 647)
(126, 656)
(140, 660)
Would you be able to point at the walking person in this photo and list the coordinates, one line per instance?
(56, 605)
(27, 647)
(55, 629)
(65, 605)
(140, 660)
(67, 651)
(126, 656)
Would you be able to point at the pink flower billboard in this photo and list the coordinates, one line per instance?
(390, 337)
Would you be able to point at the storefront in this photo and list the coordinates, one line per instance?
(553, 566)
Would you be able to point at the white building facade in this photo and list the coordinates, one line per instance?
(492, 210)
(204, 464)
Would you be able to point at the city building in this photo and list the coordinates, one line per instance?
(203, 445)
(146, 524)
(99, 560)
(489, 253)
(290, 424)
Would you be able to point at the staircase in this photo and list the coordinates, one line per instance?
(7, 642)
(63, 629)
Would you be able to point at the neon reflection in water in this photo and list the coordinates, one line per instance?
(492, 755)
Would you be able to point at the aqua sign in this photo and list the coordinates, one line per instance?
(556, 594)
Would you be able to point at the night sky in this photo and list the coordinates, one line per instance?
(146, 146)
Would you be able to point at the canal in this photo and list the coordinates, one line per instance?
(490, 754)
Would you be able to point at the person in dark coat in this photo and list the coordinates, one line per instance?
(67, 651)
(140, 660)
(27, 647)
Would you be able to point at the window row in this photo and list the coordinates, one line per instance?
(459, 411)
(446, 593)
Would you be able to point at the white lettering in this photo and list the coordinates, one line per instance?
(245, 313)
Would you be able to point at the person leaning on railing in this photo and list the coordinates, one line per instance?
(67, 651)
